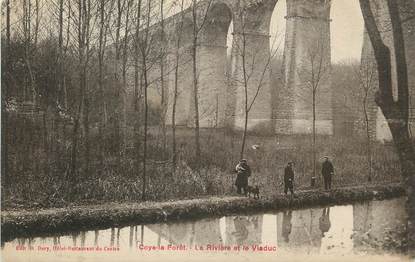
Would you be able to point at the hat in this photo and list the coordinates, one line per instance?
(243, 161)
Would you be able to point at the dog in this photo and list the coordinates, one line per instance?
(254, 191)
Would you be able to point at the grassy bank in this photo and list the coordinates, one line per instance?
(44, 181)
(19, 223)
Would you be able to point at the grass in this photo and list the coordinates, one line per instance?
(43, 181)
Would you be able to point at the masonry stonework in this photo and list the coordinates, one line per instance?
(307, 68)
(221, 87)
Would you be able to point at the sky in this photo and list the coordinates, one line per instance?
(346, 28)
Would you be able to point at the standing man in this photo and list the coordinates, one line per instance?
(289, 178)
(243, 171)
(327, 171)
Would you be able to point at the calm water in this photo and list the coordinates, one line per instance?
(359, 230)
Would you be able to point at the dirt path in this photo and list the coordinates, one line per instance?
(19, 223)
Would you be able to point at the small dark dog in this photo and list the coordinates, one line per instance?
(253, 190)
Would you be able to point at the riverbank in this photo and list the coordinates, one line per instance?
(23, 223)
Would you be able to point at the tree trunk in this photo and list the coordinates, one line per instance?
(312, 183)
(245, 76)
(144, 53)
(118, 122)
(395, 112)
(124, 79)
(195, 85)
(137, 84)
(173, 117)
(162, 87)
(145, 128)
(86, 107)
(4, 118)
(369, 144)
(101, 53)
(176, 78)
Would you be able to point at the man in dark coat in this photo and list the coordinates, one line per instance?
(327, 171)
(289, 178)
(243, 171)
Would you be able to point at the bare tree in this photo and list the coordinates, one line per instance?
(65, 50)
(396, 112)
(28, 34)
(117, 43)
(313, 71)
(145, 51)
(176, 78)
(366, 77)
(83, 30)
(125, 45)
(104, 20)
(137, 83)
(162, 86)
(7, 24)
(251, 68)
(5, 97)
(198, 24)
(7, 48)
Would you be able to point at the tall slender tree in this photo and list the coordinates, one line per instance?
(137, 84)
(198, 23)
(176, 79)
(314, 71)
(125, 51)
(4, 100)
(162, 84)
(366, 76)
(251, 68)
(145, 51)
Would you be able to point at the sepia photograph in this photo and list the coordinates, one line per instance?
(207, 130)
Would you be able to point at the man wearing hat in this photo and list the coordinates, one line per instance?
(289, 178)
(327, 170)
(243, 171)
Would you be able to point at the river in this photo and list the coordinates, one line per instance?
(363, 230)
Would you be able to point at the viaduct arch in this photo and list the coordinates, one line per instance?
(221, 79)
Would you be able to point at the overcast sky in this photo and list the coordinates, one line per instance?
(346, 28)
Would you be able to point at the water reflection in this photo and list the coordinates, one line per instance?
(299, 230)
(243, 230)
(374, 221)
(286, 225)
(338, 229)
(325, 221)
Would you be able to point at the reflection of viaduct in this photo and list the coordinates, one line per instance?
(300, 230)
(295, 231)
(239, 230)
(205, 231)
(285, 109)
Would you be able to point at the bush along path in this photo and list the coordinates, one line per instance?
(20, 223)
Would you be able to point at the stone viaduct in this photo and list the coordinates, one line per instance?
(284, 109)
(221, 74)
